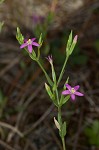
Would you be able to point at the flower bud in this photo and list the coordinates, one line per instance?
(75, 39)
(56, 123)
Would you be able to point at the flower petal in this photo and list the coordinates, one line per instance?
(79, 94)
(68, 86)
(33, 39)
(76, 87)
(72, 96)
(35, 44)
(25, 40)
(30, 48)
(66, 92)
(23, 45)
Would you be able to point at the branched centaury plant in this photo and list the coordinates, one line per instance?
(52, 87)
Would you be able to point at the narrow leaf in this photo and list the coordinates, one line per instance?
(69, 43)
(19, 36)
(64, 100)
(63, 131)
(51, 95)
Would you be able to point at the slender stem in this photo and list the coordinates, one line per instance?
(62, 71)
(63, 142)
(60, 122)
(59, 115)
(47, 77)
(57, 95)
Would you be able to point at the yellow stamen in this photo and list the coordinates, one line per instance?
(72, 90)
(29, 41)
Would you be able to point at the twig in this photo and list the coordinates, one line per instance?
(14, 129)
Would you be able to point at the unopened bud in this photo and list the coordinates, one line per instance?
(56, 123)
(50, 59)
(75, 39)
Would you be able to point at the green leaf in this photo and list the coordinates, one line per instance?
(33, 54)
(51, 95)
(49, 91)
(64, 100)
(72, 48)
(63, 130)
(69, 42)
(54, 87)
(40, 42)
(19, 36)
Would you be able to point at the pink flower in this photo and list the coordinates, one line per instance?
(29, 43)
(72, 91)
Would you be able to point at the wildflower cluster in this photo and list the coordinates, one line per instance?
(52, 87)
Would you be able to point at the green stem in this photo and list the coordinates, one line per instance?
(47, 77)
(57, 95)
(59, 116)
(62, 71)
(60, 122)
(63, 142)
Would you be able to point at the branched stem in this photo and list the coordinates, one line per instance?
(62, 71)
(47, 77)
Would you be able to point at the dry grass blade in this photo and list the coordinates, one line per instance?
(14, 129)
